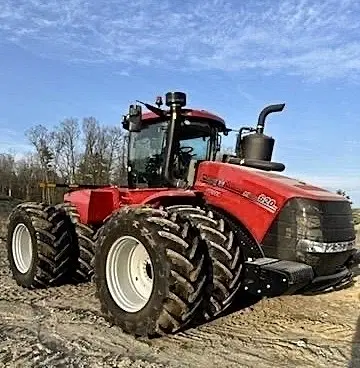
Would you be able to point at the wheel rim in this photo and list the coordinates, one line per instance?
(129, 274)
(22, 248)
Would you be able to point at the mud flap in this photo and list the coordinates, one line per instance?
(273, 277)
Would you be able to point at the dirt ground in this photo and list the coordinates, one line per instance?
(63, 327)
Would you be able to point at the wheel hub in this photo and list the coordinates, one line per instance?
(129, 274)
(22, 248)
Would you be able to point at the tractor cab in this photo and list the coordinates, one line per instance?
(166, 145)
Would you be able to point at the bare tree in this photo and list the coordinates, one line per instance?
(102, 146)
(28, 176)
(7, 173)
(113, 137)
(120, 162)
(66, 146)
(91, 130)
(42, 140)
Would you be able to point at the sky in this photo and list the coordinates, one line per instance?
(80, 58)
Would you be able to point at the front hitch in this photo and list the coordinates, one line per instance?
(270, 277)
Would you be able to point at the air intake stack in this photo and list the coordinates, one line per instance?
(255, 149)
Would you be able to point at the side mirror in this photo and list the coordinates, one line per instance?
(132, 121)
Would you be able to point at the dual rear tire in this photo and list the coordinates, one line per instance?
(39, 246)
(48, 246)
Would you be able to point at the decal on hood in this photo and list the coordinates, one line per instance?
(263, 200)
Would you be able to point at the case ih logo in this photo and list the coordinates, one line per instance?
(214, 181)
(261, 200)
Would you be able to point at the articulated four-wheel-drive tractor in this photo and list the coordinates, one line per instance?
(189, 233)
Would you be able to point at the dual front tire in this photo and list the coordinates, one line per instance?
(151, 273)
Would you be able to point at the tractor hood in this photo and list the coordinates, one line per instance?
(236, 177)
(255, 197)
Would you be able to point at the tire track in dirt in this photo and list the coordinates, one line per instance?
(26, 347)
(25, 344)
(59, 326)
(54, 339)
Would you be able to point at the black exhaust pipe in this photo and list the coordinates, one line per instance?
(175, 101)
(264, 113)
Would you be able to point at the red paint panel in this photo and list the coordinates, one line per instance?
(201, 114)
(81, 200)
(169, 193)
(93, 205)
(137, 196)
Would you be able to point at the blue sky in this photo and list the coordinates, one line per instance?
(79, 58)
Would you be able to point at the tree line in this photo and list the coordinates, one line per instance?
(81, 152)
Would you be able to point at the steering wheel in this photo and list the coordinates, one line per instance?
(186, 149)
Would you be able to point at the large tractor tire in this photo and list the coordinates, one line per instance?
(39, 246)
(83, 243)
(151, 273)
(227, 245)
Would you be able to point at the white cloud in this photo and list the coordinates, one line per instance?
(123, 73)
(313, 39)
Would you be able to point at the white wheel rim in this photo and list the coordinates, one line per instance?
(22, 248)
(129, 274)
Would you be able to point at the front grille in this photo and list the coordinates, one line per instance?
(322, 221)
(316, 221)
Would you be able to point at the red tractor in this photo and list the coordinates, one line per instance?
(188, 234)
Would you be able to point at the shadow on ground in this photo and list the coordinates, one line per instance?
(245, 302)
(355, 352)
